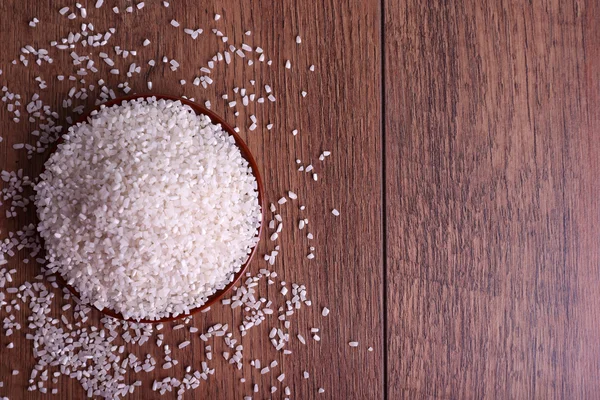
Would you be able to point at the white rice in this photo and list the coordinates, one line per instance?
(68, 339)
(147, 209)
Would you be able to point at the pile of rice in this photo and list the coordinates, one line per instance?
(147, 209)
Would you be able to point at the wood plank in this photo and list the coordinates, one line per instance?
(492, 199)
(341, 113)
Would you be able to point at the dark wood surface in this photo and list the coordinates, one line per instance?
(493, 236)
(464, 163)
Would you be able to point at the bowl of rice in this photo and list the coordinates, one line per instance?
(150, 208)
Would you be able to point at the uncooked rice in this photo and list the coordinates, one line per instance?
(147, 209)
(63, 339)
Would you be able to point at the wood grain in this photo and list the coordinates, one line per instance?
(347, 274)
(488, 176)
(492, 199)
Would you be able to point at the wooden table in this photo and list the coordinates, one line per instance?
(464, 162)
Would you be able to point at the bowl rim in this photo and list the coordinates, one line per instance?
(246, 153)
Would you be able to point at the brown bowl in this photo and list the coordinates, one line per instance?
(216, 119)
